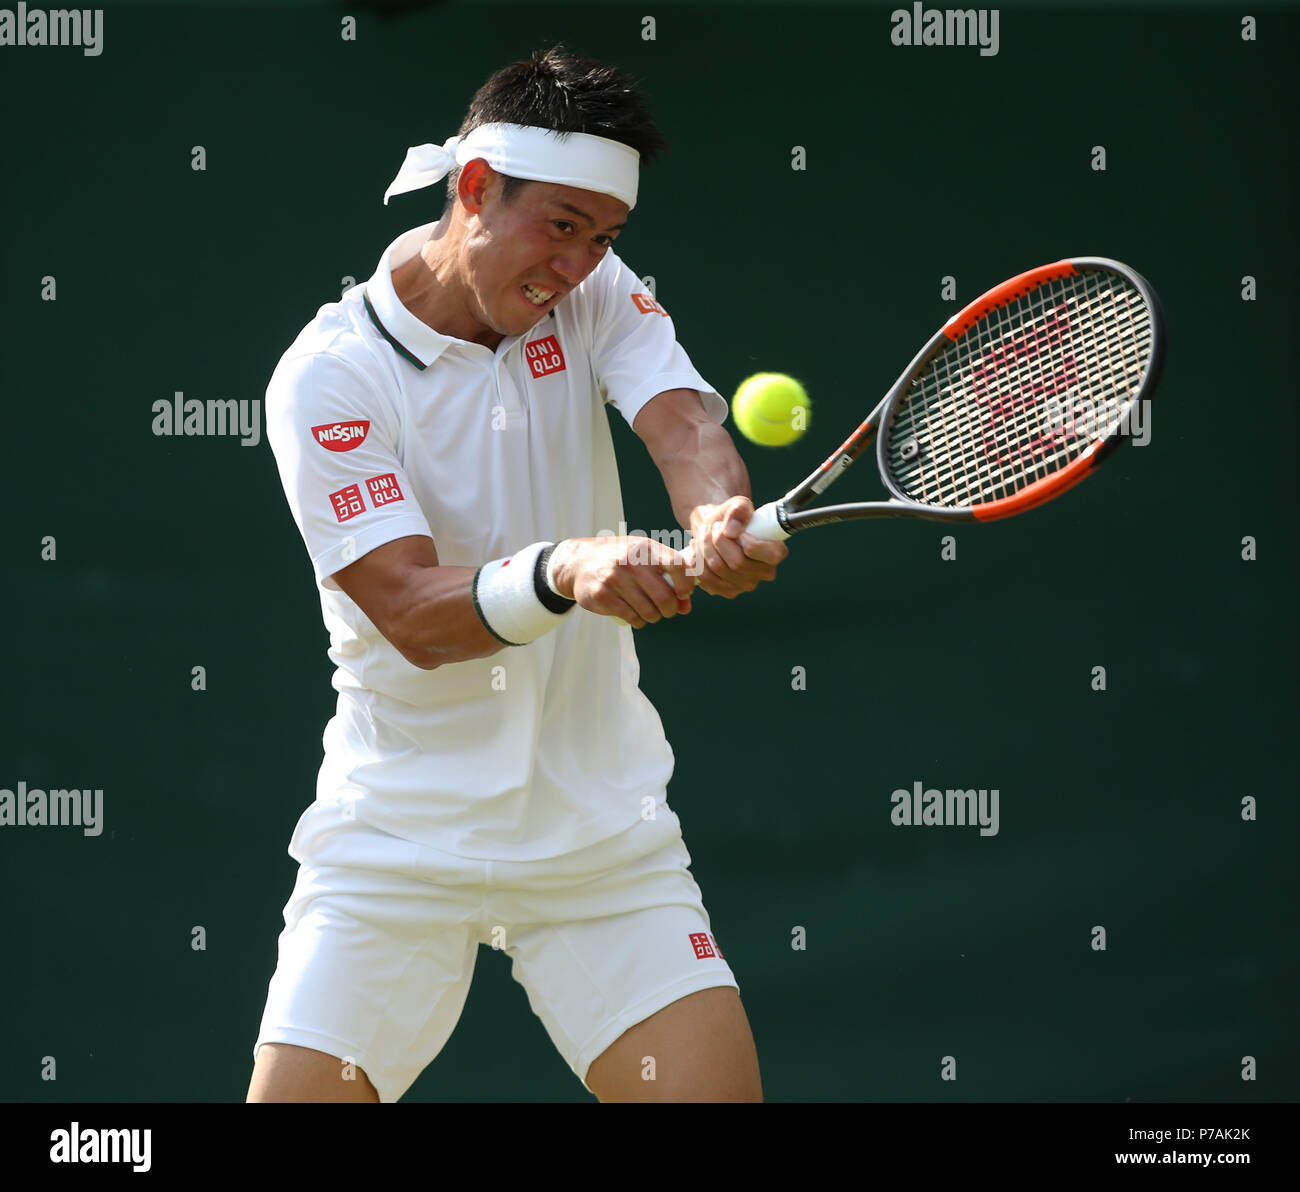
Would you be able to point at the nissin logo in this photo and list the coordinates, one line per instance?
(341, 436)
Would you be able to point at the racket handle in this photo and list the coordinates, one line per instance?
(764, 524)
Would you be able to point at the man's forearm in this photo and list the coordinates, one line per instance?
(703, 469)
(708, 486)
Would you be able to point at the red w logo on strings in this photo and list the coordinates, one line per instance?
(1015, 378)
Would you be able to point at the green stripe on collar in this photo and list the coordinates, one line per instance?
(374, 318)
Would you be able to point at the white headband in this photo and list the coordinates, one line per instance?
(520, 151)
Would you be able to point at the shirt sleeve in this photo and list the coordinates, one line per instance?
(336, 445)
(635, 352)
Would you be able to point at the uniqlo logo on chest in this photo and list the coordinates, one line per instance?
(704, 945)
(347, 502)
(544, 356)
(384, 490)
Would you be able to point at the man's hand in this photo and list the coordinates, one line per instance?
(730, 561)
(623, 577)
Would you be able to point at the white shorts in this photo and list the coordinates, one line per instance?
(381, 936)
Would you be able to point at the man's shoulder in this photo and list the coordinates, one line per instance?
(336, 331)
(334, 343)
(332, 354)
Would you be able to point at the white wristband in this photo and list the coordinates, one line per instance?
(505, 597)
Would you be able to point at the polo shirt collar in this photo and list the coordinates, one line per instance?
(415, 341)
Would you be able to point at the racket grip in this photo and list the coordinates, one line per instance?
(764, 524)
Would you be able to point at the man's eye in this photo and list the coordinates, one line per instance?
(604, 241)
(563, 224)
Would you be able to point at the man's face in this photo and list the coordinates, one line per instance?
(523, 256)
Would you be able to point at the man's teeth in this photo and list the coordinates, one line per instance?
(538, 297)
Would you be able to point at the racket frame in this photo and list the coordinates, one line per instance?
(790, 512)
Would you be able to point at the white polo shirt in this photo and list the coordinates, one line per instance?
(382, 427)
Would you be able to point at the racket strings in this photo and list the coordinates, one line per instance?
(1023, 393)
(1024, 364)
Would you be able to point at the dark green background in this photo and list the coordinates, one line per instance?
(1118, 809)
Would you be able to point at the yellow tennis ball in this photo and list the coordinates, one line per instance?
(771, 409)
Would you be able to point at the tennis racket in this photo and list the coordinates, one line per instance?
(1015, 399)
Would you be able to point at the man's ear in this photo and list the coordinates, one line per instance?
(474, 184)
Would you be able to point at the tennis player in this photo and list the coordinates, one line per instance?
(493, 773)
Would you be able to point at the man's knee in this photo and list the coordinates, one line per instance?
(285, 1072)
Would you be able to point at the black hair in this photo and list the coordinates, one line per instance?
(560, 90)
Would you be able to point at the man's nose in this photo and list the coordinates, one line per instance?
(573, 264)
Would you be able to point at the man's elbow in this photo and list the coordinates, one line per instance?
(429, 656)
(425, 659)
(413, 645)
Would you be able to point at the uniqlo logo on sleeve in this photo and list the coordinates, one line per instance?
(647, 305)
(702, 944)
(384, 490)
(544, 356)
(347, 502)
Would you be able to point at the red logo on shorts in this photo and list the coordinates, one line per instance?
(341, 436)
(384, 490)
(647, 305)
(347, 502)
(702, 944)
(544, 356)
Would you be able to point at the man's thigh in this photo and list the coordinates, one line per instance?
(372, 976)
(285, 1072)
(699, 1048)
(609, 953)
